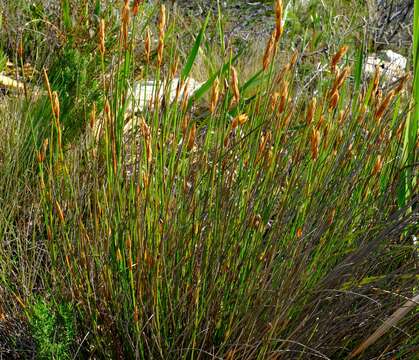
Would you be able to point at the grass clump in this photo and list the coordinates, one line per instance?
(252, 218)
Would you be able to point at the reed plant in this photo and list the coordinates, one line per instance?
(250, 219)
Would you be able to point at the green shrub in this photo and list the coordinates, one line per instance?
(52, 327)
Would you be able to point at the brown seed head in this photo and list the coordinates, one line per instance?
(174, 67)
(59, 211)
(235, 122)
(125, 19)
(102, 37)
(331, 217)
(377, 166)
(242, 118)
(315, 142)
(268, 51)
(107, 109)
(149, 150)
(311, 110)
(48, 86)
(235, 85)
(401, 84)
(147, 44)
(284, 96)
(135, 7)
(337, 57)
(55, 105)
(384, 105)
(185, 123)
(162, 26)
(341, 116)
(279, 11)
(274, 100)
(20, 48)
(333, 101)
(376, 80)
(191, 139)
(215, 93)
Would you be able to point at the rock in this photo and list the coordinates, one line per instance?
(392, 64)
(142, 96)
(143, 93)
(10, 84)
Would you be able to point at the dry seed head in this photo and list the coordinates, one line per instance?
(284, 96)
(55, 105)
(401, 84)
(135, 7)
(44, 147)
(274, 100)
(146, 181)
(288, 117)
(102, 37)
(320, 123)
(343, 76)
(185, 97)
(242, 119)
(235, 122)
(279, 11)
(174, 67)
(333, 101)
(311, 110)
(215, 93)
(341, 116)
(118, 255)
(339, 80)
(378, 165)
(337, 57)
(41, 154)
(235, 84)
(20, 48)
(162, 26)
(268, 51)
(48, 86)
(378, 97)
(148, 149)
(125, 19)
(59, 211)
(362, 111)
(191, 139)
(331, 217)
(384, 105)
(185, 123)
(315, 142)
(299, 232)
(107, 109)
(147, 44)
(376, 80)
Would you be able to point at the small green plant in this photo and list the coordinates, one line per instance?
(52, 328)
(256, 217)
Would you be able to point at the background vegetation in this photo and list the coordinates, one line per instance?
(269, 214)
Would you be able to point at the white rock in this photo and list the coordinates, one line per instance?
(394, 58)
(143, 93)
(392, 64)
